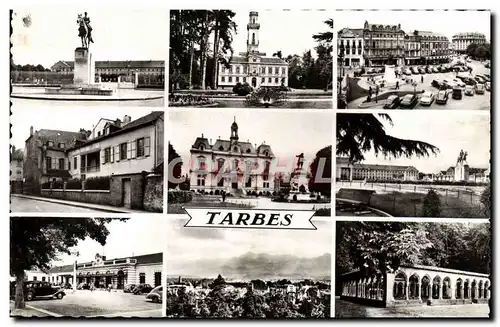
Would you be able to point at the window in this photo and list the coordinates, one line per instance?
(237, 79)
(223, 79)
(237, 69)
(61, 145)
(244, 79)
(253, 38)
(269, 80)
(142, 278)
(75, 163)
(43, 279)
(263, 70)
(265, 184)
(140, 147)
(230, 69)
(61, 164)
(48, 161)
(276, 80)
(98, 133)
(157, 278)
(245, 69)
(269, 70)
(50, 143)
(107, 155)
(263, 80)
(230, 79)
(69, 164)
(248, 182)
(254, 59)
(200, 181)
(202, 163)
(276, 70)
(34, 278)
(283, 71)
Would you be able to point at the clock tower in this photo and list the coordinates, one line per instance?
(253, 28)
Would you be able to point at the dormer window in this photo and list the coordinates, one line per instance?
(248, 150)
(235, 149)
(98, 133)
(221, 148)
(202, 147)
(61, 145)
(266, 153)
(50, 143)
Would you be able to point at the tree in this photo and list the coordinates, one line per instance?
(252, 305)
(223, 31)
(278, 54)
(359, 133)
(324, 51)
(322, 165)
(16, 154)
(486, 200)
(432, 205)
(36, 242)
(176, 170)
(219, 281)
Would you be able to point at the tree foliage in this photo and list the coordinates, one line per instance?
(174, 167)
(479, 51)
(36, 242)
(432, 205)
(359, 133)
(321, 172)
(486, 200)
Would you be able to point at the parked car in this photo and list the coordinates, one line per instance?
(428, 70)
(470, 81)
(391, 102)
(447, 84)
(421, 70)
(484, 77)
(129, 288)
(142, 288)
(39, 289)
(83, 286)
(406, 71)
(459, 83)
(487, 86)
(479, 88)
(156, 294)
(479, 80)
(469, 90)
(427, 98)
(414, 70)
(442, 97)
(437, 83)
(435, 70)
(487, 65)
(408, 101)
(457, 93)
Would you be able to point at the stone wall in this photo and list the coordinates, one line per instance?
(95, 197)
(153, 194)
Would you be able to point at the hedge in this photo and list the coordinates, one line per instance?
(74, 184)
(46, 185)
(176, 196)
(98, 183)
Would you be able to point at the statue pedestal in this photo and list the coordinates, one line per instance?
(299, 178)
(84, 71)
(461, 172)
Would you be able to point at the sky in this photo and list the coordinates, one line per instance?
(449, 131)
(69, 119)
(118, 34)
(136, 236)
(288, 133)
(444, 22)
(189, 243)
(289, 31)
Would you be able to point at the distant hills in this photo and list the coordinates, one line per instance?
(256, 266)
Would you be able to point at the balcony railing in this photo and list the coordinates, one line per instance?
(90, 169)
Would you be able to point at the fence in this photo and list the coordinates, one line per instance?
(41, 78)
(406, 200)
(155, 80)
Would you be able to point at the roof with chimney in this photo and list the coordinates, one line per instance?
(149, 119)
(57, 137)
(350, 33)
(117, 64)
(263, 60)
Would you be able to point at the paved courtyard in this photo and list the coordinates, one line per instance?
(346, 309)
(97, 303)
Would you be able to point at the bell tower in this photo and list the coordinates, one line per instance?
(234, 132)
(253, 27)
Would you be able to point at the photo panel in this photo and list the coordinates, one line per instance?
(264, 59)
(87, 267)
(390, 269)
(65, 55)
(250, 160)
(248, 273)
(410, 59)
(86, 160)
(408, 164)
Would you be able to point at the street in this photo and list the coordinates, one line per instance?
(18, 204)
(98, 303)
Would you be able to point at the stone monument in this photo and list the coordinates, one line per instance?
(84, 70)
(462, 168)
(299, 189)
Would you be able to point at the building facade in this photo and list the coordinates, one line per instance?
(16, 170)
(415, 286)
(252, 66)
(232, 166)
(102, 272)
(462, 40)
(383, 44)
(435, 47)
(351, 40)
(347, 171)
(413, 53)
(110, 70)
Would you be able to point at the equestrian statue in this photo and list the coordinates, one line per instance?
(462, 157)
(84, 30)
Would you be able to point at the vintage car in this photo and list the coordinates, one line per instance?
(40, 289)
(156, 295)
(408, 101)
(427, 98)
(142, 288)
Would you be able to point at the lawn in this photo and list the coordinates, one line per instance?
(354, 90)
(204, 202)
(409, 204)
(345, 309)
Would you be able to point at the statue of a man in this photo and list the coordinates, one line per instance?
(460, 156)
(86, 20)
(300, 161)
(464, 157)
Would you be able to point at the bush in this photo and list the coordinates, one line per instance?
(74, 184)
(58, 185)
(242, 89)
(98, 183)
(432, 205)
(486, 200)
(175, 196)
(46, 186)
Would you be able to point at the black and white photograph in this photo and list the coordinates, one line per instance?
(86, 267)
(413, 164)
(250, 160)
(412, 270)
(62, 56)
(248, 273)
(86, 161)
(418, 59)
(251, 59)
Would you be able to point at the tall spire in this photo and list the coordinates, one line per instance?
(234, 131)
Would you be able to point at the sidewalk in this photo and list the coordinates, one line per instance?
(100, 207)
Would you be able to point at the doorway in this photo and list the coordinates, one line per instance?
(127, 192)
(254, 82)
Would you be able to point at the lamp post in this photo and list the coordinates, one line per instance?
(75, 253)
(341, 67)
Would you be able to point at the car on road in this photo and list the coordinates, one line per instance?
(142, 288)
(421, 70)
(459, 82)
(414, 70)
(156, 294)
(437, 83)
(447, 84)
(406, 71)
(40, 289)
(487, 86)
(83, 286)
(457, 93)
(391, 102)
(428, 70)
(129, 288)
(408, 101)
(487, 65)
(427, 98)
(484, 77)
(479, 80)
(442, 97)
(479, 88)
(435, 70)
(469, 90)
